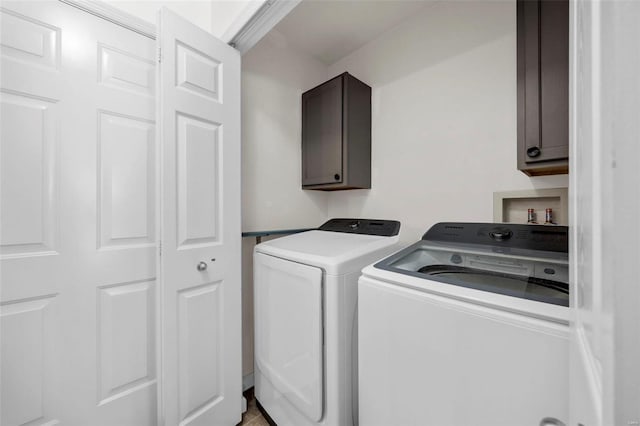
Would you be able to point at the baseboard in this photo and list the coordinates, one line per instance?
(247, 382)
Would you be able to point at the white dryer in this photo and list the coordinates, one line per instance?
(305, 292)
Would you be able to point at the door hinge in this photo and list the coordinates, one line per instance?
(159, 54)
(160, 248)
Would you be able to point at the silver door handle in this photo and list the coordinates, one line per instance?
(551, 421)
(202, 266)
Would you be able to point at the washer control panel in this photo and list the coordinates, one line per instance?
(502, 235)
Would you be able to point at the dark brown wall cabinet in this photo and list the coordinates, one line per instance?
(543, 86)
(336, 135)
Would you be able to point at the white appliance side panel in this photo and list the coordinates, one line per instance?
(425, 359)
(288, 303)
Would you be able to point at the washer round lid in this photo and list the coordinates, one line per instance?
(335, 252)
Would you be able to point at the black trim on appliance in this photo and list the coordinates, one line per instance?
(383, 228)
(553, 238)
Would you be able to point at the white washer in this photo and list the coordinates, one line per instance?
(305, 292)
(468, 326)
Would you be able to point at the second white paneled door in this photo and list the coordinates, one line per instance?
(199, 127)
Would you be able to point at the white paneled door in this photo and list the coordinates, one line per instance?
(81, 311)
(199, 128)
(77, 243)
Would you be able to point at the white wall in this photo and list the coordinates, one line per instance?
(444, 117)
(214, 16)
(273, 79)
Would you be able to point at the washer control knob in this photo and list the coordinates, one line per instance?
(500, 234)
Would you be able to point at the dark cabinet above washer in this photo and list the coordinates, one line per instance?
(543, 86)
(336, 135)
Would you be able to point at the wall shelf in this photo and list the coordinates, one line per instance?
(259, 234)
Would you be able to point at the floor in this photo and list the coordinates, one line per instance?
(253, 416)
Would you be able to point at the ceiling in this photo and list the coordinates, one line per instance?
(331, 29)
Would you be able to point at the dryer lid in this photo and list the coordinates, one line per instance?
(335, 252)
(383, 228)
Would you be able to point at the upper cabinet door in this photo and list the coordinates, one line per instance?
(199, 128)
(322, 134)
(336, 135)
(543, 86)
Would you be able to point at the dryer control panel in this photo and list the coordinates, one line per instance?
(383, 228)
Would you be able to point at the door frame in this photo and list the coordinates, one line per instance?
(606, 339)
(251, 25)
(253, 22)
(112, 14)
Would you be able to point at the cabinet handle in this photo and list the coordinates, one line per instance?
(533, 151)
(336, 176)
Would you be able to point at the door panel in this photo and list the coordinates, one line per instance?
(30, 40)
(126, 179)
(78, 308)
(127, 71)
(199, 311)
(289, 333)
(126, 163)
(29, 149)
(126, 337)
(546, 79)
(200, 222)
(322, 127)
(198, 178)
(24, 325)
(554, 81)
(198, 72)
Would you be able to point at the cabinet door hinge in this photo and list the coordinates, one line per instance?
(159, 54)
(160, 248)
